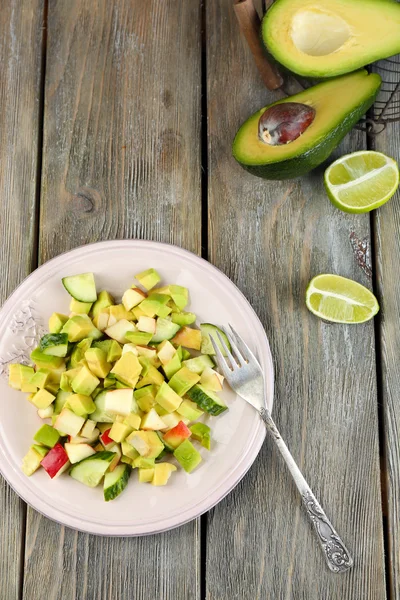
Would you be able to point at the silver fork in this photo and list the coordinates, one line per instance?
(245, 377)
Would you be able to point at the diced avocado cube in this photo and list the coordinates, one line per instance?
(14, 376)
(152, 377)
(187, 456)
(178, 293)
(188, 337)
(168, 398)
(104, 300)
(183, 380)
(31, 462)
(128, 450)
(42, 399)
(111, 347)
(119, 431)
(47, 435)
(67, 377)
(26, 379)
(198, 364)
(145, 397)
(147, 443)
(53, 387)
(150, 307)
(97, 362)
(146, 475)
(81, 405)
(57, 322)
(139, 338)
(172, 366)
(162, 472)
(45, 361)
(202, 433)
(108, 382)
(54, 344)
(77, 358)
(164, 311)
(143, 463)
(118, 312)
(40, 450)
(84, 382)
(60, 401)
(189, 410)
(132, 420)
(183, 318)
(127, 369)
(79, 327)
(137, 313)
(80, 308)
(41, 378)
(148, 279)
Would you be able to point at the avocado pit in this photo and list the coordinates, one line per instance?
(283, 123)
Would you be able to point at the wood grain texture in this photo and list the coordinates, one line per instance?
(20, 59)
(271, 238)
(387, 246)
(121, 160)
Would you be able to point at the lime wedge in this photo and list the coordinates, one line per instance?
(340, 300)
(362, 181)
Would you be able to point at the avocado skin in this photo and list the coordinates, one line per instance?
(304, 163)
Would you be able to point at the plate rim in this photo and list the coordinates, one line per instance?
(80, 524)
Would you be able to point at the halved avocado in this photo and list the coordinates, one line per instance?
(331, 37)
(339, 103)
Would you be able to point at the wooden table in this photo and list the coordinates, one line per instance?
(116, 121)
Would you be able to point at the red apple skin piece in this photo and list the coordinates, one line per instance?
(105, 438)
(54, 460)
(177, 434)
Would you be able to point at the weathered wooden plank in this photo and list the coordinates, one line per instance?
(271, 238)
(20, 58)
(387, 248)
(121, 159)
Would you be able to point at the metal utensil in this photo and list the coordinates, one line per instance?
(244, 374)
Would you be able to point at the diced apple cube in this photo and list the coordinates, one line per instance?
(117, 449)
(133, 297)
(77, 452)
(165, 351)
(147, 324)
(119, 401)
(56, 461)
(152, 421)
(119, 329)
(212, 380)
(69, 423)
(88, 428)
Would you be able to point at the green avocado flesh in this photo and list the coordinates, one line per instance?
(339, 103)
(331, 37)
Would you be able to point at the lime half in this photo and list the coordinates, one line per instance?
(340, 300)
(362, 181)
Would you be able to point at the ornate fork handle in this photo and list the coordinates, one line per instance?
(336, 554)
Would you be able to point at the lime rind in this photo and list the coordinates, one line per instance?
(364, 189)
(340, 300)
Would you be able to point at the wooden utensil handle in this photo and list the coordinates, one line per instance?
(249, 23)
